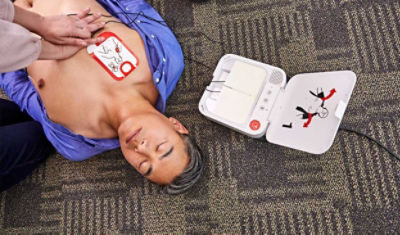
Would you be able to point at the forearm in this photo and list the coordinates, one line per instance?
(49, 51)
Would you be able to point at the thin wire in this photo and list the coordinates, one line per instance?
(126, 15)
(211, 90)
(208, 38)
(90, 14)
(206, 85)
(162, 22)
(361, 134)
(197, 62)
(106, 22)
(371, 139)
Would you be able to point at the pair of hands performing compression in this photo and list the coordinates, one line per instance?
(62, 35)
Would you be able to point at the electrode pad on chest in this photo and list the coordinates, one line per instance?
(114, 56)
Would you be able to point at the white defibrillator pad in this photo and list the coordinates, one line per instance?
(114, 56)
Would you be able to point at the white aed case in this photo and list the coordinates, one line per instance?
(254, 98)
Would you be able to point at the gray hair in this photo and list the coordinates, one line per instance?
(192, 172)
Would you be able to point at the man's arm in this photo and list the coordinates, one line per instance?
(19, 89)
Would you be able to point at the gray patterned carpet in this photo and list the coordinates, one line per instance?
(248, 186)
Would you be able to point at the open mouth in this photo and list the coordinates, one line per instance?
(132, 135)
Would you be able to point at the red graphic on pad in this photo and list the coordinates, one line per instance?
(306, 115)
(329, 96)
(309, 120)
(321, 111)
(114, 56)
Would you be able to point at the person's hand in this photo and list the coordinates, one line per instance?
(71, 30)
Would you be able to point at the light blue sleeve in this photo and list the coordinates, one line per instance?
(73, 147)
(19, 88)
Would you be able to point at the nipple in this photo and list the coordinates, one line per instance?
(41, 83)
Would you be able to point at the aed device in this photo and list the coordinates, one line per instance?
(114, 56)
(255, 99)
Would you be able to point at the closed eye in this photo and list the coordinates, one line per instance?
(140, 164)
(158, 146)
(167, 153)
(148, 171)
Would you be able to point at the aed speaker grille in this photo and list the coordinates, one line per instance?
(276, 78)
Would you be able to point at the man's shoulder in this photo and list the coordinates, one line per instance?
(76, 147)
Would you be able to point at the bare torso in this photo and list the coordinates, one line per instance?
(75, 91)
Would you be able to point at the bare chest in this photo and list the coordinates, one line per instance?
(74, 91)
(78, 100)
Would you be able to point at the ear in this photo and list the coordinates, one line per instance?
(178, 126)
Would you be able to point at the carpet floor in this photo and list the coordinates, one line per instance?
(248, 186)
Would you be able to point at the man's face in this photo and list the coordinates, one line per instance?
(152, 145)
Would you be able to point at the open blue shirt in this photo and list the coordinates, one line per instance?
(165, 60)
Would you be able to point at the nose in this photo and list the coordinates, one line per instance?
(142, 146)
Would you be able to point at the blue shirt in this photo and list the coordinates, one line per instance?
(166, 64)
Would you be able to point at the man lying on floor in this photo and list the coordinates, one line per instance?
(86, 109)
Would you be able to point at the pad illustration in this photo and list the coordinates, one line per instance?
(114, 56)
(321, 111)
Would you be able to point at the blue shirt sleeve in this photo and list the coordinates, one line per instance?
(21, 90)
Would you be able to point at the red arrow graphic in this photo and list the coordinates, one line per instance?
(330, 95)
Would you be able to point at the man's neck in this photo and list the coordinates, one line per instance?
(126, 104)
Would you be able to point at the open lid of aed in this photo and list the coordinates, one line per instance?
(254, 99)
(307, 115)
